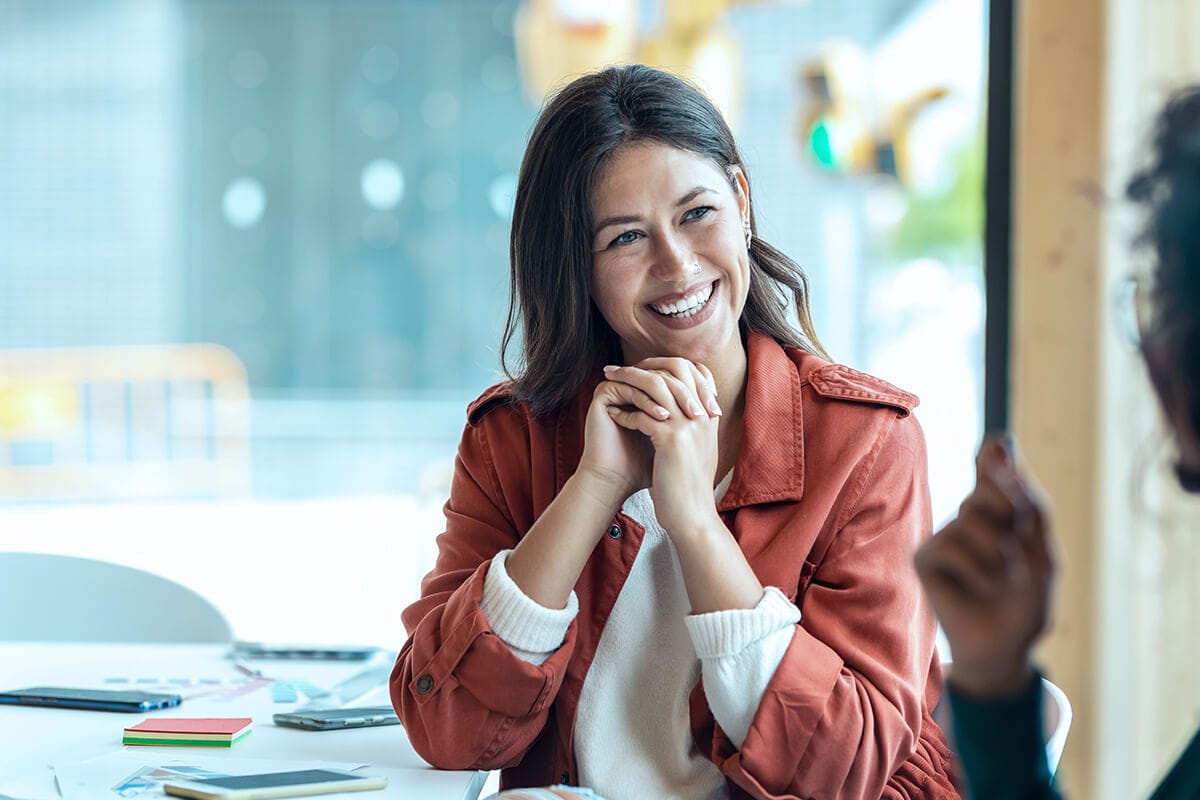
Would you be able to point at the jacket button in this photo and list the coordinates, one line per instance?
(424, 684)
(614, 531)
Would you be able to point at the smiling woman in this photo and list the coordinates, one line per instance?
(675, 548)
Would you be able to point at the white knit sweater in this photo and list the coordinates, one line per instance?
(632, 730)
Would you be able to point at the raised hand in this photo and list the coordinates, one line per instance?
(671, 404)
(989, 575)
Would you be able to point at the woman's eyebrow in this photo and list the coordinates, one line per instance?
(625, 219)
(618, 220)
(692, 195)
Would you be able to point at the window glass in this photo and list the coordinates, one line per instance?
(256, 254)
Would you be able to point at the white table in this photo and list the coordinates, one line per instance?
(31, 738)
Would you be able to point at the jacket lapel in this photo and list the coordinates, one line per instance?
(770, 462)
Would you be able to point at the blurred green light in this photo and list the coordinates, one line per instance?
(821, 143)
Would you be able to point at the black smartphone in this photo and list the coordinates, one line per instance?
(91, 699)
(327, 719)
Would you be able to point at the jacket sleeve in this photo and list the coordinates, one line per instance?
(843, 710)
(466, 701)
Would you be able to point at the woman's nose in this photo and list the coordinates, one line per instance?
(673, 261)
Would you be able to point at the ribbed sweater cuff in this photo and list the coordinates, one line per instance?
(725, 633)
(999, 742)
(521, 623)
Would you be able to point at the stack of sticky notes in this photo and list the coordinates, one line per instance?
(188, 731)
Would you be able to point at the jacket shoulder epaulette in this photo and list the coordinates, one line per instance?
(494, 396)
(844, 383)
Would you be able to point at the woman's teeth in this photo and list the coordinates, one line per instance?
(687, 306)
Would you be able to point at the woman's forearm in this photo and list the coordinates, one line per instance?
(549, 558)
(715, 570)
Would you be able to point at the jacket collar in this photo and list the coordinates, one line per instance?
(769, 466)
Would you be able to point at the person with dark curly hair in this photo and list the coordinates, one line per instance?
(989, 572)
(675, 562)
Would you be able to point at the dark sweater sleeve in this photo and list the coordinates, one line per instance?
(999, 743)
(1183, 781)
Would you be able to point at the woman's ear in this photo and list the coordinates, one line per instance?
(742, 187)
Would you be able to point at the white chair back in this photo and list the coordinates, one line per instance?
(55, 598)
(1056, 716)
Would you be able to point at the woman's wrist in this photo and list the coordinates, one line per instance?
(605, 489)
(702, 524)
(1005, 677)
(547, 560)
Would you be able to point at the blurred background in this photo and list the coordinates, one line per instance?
(255, 255)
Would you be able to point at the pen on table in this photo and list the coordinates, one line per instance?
(246, 669)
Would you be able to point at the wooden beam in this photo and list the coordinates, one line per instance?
(1057, 315)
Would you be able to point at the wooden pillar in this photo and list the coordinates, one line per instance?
(1058, 292)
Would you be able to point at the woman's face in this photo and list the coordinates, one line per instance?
(670, 268)
(1174, 393)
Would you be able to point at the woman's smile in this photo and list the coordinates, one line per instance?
(686, 310)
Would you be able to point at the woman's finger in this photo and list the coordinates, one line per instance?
(982, 537)
(710, 399)
(995, 544)
(683, 389)
(633, 420)
(701, 385)
(667, 389)
(946, 561)
(1001, 492)
(1033, 526)
(617, 393)
(1025, 542)
(992, 500)
(1007, 496)
(704, 387)
(998, 546)
(695, 376)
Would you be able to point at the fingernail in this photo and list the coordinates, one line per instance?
(695, 409)
(713, 408)
(995, 446)
(662, 412)
(611, 367)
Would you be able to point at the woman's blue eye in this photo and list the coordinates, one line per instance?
(628, 237)
(697, 213)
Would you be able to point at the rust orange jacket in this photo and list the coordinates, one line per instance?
(828, 501)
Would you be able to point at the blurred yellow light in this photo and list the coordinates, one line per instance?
(556, 42)
(33, 410)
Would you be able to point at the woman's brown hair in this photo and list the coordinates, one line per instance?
(564, 337)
